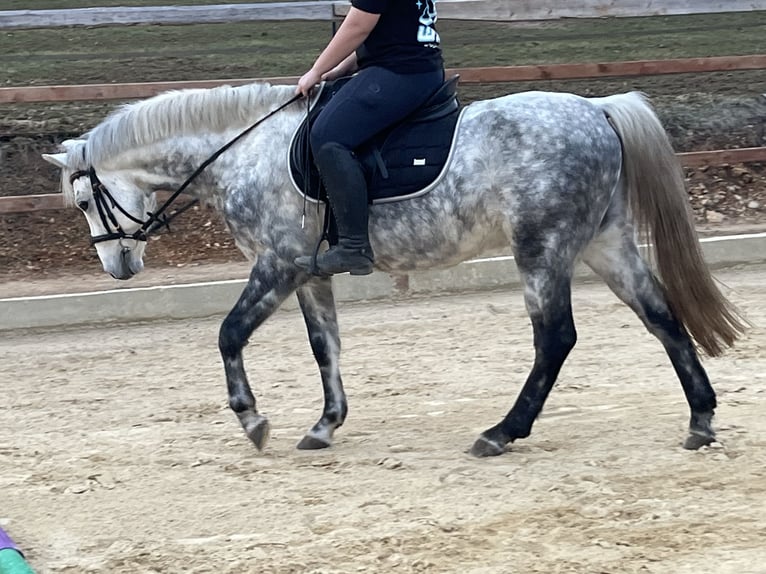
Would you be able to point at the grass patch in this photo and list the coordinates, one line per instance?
(253, 49)
(145, 53)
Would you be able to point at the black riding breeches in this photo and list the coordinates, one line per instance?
(374, 99)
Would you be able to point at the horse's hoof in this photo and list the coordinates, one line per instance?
(697, 441)
(309, 442)
(258, 430)
(484, 447)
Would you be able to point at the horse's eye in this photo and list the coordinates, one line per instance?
(83, 205)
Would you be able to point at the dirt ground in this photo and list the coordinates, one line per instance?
(119, 454)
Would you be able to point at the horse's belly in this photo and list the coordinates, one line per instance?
(425, 239)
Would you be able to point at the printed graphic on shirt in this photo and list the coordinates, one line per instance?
(427, 34)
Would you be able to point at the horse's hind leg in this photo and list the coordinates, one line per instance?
(614, 256)
(271, 281)
(547, 294)
(318, 306)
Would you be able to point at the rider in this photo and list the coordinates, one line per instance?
(395, 48)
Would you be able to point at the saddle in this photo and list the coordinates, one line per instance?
(401, 162)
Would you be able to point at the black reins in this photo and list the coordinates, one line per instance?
(158, 218)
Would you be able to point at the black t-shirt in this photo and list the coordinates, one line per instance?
(404, 40)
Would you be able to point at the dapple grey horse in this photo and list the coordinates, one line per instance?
(555, 176)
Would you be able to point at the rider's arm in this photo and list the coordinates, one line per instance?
(352, 32)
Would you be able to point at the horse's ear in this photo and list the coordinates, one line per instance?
(57, 159)
(69, 144)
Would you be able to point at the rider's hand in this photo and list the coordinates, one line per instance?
(308, 81)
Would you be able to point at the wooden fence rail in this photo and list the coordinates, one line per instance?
(497, 10)
(497, 74)
(123, 15)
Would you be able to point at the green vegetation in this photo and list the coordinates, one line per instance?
(262, 49)
(252, 49)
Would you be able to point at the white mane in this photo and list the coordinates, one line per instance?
(181, 112)
(173, 113)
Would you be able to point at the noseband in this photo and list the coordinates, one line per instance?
(101, 195)
(158, 219)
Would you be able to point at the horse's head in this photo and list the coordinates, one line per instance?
(114, 206)
(161, 143)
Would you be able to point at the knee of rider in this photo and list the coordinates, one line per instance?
(330, 153)
(322, 135)
(318, 139)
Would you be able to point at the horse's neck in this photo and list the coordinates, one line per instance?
(165, 166)
(243, 164)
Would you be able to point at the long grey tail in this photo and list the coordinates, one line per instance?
(660, 208)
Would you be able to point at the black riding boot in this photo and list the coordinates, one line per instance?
(346, 187)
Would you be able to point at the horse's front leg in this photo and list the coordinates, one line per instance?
(318, 306)
(271, 281)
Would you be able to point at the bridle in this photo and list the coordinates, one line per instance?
(106, 203)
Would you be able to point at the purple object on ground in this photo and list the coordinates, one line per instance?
(6, 542)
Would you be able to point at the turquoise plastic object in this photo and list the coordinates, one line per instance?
(11, 562)
(11, 559)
